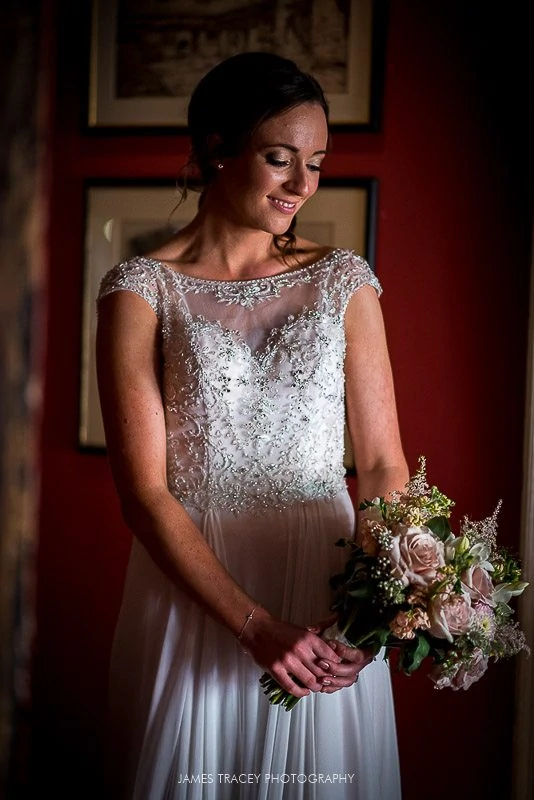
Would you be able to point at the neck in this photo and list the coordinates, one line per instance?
(226, 250)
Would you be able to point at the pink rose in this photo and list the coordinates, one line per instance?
(450, 615)
(478, 584)
(465, 676)
(416, 555)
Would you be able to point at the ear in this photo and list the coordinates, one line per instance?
(214, 147)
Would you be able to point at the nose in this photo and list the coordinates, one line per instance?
(299, 181)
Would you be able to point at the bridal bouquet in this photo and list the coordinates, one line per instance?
(414, 587)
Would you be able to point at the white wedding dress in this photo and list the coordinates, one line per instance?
(253, 387)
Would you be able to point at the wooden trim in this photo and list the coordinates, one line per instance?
(523, 766)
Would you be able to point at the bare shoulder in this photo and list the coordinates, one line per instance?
(309, 252)
(172, 251)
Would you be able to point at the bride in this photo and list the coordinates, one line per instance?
(226, 360)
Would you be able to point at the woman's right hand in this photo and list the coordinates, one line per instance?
(289, 653)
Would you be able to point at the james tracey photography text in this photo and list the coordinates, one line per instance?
(267, 777)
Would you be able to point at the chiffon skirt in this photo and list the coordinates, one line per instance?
(188, 717)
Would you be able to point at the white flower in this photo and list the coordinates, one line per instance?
(504, 591)
(480, 553)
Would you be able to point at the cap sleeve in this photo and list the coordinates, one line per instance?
(136, 275)
(350, 273)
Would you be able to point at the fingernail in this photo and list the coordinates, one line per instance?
(324, 664)
(326, 682)
(333, 645)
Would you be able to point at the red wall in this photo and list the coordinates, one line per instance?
(453, 239)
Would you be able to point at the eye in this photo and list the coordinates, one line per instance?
(314, 168)
(276, 162)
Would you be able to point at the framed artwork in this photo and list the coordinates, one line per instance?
(146, 56)
(132, 218)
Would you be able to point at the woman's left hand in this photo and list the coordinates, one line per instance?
(347, 672)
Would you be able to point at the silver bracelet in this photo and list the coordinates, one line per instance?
(247, 620)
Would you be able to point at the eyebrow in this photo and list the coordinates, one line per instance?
(293, 148)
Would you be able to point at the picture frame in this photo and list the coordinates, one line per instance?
(145, 56)
(127, 218)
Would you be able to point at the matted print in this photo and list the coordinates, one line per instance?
(148, 55)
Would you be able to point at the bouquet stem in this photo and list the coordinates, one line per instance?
(276, 695)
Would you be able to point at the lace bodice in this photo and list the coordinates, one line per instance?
(252, 379)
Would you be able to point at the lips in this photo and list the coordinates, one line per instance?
(282, 205)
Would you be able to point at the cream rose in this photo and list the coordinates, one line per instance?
(416, 555)
(371, 513)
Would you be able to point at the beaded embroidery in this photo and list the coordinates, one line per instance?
(251, 427)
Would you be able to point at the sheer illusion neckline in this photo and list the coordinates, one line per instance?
(279, 276)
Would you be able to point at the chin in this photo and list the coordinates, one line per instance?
(278, 229)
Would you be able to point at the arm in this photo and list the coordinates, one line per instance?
(374, 430)
(371, 409)
(134, 421)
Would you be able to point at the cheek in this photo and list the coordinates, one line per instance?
(313, 183)
(258, 181)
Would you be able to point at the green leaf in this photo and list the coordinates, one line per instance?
(376, 637)
(362, 590)
(366, 503)
(440, 527)
(383, 635)
(413, 653)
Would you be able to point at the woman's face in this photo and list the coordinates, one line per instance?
(264, 186)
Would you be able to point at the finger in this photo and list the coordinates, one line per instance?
(309, 659)
(344, 672)
(339, 680)
(333, 689)
(289, 683)
(335, 683)
(347, 667)
(317, 661)
(323, 651)
(354, 654)
(297, 671)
